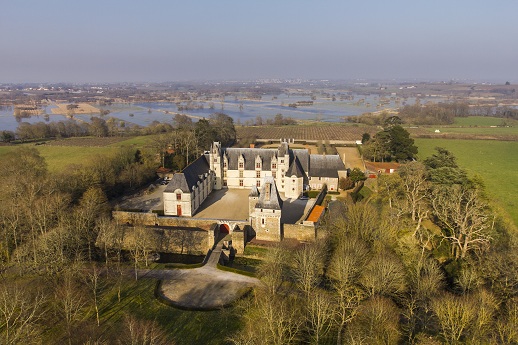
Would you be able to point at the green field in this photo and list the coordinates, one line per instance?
(482, 121)
(478, 130)
(496, 162)
(59, 157)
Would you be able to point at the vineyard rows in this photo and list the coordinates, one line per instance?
(321, 132)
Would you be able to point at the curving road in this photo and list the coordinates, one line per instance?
(203, 288)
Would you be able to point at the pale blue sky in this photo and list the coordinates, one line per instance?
(168, 40)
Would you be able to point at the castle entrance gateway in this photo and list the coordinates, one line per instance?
(224, 229)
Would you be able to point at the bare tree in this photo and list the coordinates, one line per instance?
(415, 186)
(144, 332)
(346, 265)
(70, 302)
(141, 242)
(463, 217)
(507, 325)
(384, 275)
(273, 269)
(308, 264)
(19, 315)
(455, 315)
(95, 284)
(377, 322)
(320, 315)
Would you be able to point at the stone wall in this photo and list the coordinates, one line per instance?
(141, 218)
(299, 232)
(267, 224)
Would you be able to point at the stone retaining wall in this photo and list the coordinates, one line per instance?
(300, 232)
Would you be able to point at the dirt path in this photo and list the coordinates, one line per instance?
(351, 157)
(204, 288)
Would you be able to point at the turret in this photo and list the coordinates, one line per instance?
(216, 164)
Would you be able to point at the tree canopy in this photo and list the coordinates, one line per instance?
(392, 144)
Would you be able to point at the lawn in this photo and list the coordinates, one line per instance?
(186, 327)
(496, 162)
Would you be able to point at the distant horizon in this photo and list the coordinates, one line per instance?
(271, 81)
(164, 40)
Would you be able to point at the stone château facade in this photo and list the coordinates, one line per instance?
(291, 171)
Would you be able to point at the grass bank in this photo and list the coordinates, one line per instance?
(185, 327)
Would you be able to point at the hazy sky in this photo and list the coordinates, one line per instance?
(169, 40)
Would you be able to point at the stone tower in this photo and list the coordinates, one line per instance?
(216, 164)
(265, 216)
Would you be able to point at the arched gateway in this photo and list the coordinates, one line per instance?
(224, 229)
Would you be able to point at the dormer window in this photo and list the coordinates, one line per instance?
(258, 165)
(241, 165)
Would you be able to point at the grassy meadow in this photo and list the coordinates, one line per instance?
(496, 162)
(478, 130)
(60, 154)
(483, 121)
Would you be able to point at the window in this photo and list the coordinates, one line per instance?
(258, 183)
(215, 160)
(240, 183)
(225, 164)
(241, 174)
(241, 165)
(258, 165)
(225, 183)
(263, 221)
(225, 173)
(178, 196)
(282, 161)
(258, 174)
(274, 166)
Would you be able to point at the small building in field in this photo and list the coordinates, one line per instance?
(377, 168)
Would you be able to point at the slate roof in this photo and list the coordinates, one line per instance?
(295, 169)
(303, 156)
(275, 202)
(325, 165)
(254, 192)
(283, 149)
(189, 176)
(249, 155)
